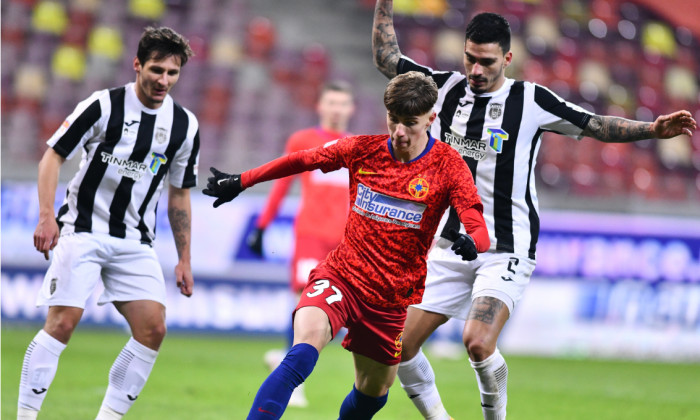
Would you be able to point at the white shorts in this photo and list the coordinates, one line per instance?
(452, 284)
(129, 271)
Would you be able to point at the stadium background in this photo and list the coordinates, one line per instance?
(619, 257)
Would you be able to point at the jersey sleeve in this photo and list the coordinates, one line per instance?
(559, 116)
(87, 121)
(327, 158)
(183, 171)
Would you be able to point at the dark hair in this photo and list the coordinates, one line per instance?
(410, 94)
(337, 86)
(486, 28)
(157, 43)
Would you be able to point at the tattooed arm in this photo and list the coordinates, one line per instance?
(385, 48)
(180, 216)
(620, 130)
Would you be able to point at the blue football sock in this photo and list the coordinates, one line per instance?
(273, 396)
(358, 406)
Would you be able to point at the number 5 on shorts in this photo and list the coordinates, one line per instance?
(320, 286)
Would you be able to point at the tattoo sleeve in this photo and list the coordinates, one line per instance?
(385, 48)
(180, 225)
(617, 130)
(484, 309)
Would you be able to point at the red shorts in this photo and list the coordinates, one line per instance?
(309, 250)
(373, 331)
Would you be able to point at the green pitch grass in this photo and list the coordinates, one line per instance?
(215, 377)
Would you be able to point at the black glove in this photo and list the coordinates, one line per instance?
(225, 187)
(463, 245)
(255, 240)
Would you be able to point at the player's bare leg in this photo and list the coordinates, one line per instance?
(41, 359)
(415, 373)
(132, 367)
(370, 390)
(485, 321)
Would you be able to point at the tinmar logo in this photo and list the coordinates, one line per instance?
(128, 168)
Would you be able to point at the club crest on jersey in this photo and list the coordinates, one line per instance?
(495, 111)
(157, 160)
(398, 342)
(387, 209)
(418, 187)
(496, 138)
(161, 135)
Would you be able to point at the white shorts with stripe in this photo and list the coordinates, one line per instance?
(451, 284)
(129, 271)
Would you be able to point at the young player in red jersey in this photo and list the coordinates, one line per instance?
(399, 187)
(323, 207)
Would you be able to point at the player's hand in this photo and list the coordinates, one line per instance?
(463, 245)
(255, 240)
(46, 235)
(184, 279)
(672, 125)
(225, 187)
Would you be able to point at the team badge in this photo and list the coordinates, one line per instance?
(495, 111)
(161, 135)
(496, 138)
(398, 342)
(418, 187)
(52, 286)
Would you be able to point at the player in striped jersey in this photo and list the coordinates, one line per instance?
(319, 224)
(400, 185)
(131, 137)
(496, 124)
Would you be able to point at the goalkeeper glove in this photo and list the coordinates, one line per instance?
(463, 245)
(255, 240)
(225, 187)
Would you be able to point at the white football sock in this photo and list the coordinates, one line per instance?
(128, 375)
(38, 370)
(418, 380)
(492, 377)
(107, 413)
(26, 413)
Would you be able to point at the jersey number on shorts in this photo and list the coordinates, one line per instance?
(320, 286)
(511, 263)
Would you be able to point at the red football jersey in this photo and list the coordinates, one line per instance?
(324, 196)
(395, 210)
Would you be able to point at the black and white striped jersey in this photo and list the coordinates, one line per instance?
(498, 134)
(127, 150)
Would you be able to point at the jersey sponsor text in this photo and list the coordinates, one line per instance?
(388, 209)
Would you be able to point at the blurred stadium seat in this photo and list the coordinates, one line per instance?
(250, 88)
